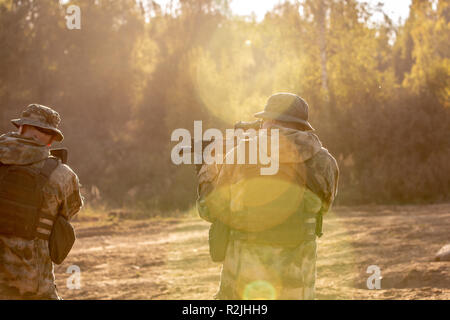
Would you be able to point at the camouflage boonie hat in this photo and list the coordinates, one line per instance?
(287, 107)
(42, 117)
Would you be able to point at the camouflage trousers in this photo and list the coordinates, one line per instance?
(11, 293)
(254, 271)
(26, 271)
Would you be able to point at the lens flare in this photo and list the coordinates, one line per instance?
(259, 290)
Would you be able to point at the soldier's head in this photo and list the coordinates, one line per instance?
(41, 135)
(39, 123)
(268, 123)
(287, 110)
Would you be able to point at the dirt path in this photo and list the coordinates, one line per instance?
(169, 259)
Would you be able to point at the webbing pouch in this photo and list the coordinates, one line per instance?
(61, 239)
(291, 233)
(21, 199)
(219, 235)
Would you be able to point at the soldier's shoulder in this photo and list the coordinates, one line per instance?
(63, 175)
(68, 188)
(323, 159)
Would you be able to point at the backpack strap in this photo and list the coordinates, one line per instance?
(45, 172)
(314, 185)
(3, 170)
(49, 166)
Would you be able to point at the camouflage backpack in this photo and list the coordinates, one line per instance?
(21, 199)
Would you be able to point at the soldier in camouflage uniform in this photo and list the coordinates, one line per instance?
(26, 270)
(279, 263)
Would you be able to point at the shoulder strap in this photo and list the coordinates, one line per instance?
(50, 165)
(44, 173)
(3, 170)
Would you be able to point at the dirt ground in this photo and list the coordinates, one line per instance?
(169, 259)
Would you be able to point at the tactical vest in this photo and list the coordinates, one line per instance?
(21, 200)
(300, 226)
(303, 225)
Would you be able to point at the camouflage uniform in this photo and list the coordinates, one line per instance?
(260, 265)
(26, 270)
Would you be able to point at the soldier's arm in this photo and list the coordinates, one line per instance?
(206, 176)
(332, 174)
(323, 176)
(71, 200)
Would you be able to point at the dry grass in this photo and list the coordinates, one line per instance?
(167, 258)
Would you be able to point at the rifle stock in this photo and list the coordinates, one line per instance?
(60, 153)
(256, 125)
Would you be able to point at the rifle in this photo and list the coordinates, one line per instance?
(319, 222)
(256, 125)
(60, 153)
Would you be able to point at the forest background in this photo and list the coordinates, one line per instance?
(378, 90)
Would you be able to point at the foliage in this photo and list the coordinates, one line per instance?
(378, 93)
